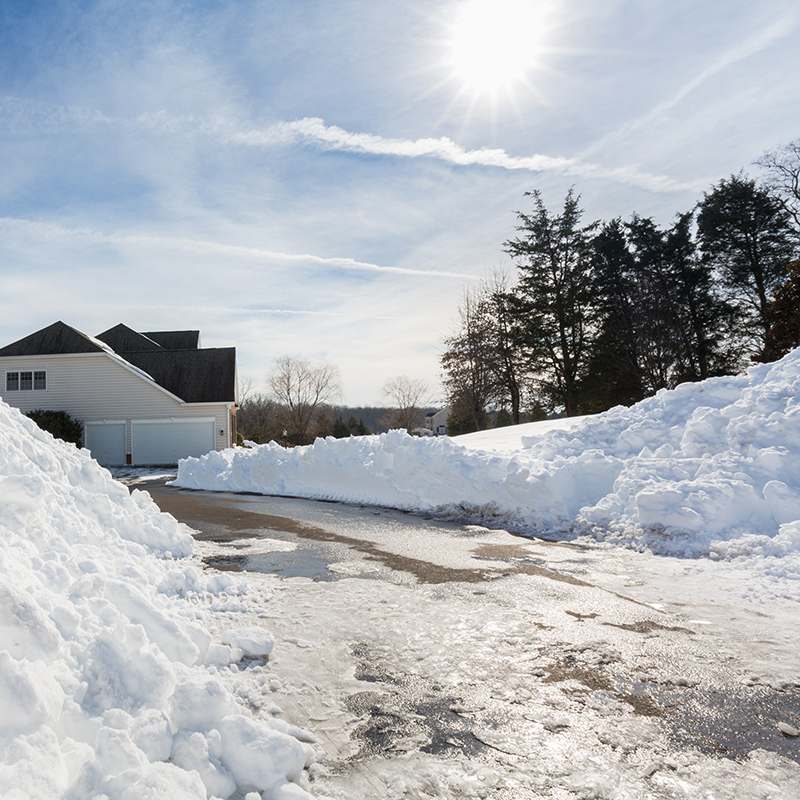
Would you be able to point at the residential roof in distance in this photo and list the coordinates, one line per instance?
(176, 362)
(196, 376)
(122, 339)
(173, 359)
(175, 340)
(55, 339)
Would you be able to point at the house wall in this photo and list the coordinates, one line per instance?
(94, 386)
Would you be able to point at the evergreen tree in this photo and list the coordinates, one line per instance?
(469, 365)
(784, 318)
(58, 423)
(705, 320)
(340, 430)
(746, 235)
(660, 321)
(552, 303)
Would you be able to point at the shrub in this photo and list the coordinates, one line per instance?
(60, 424)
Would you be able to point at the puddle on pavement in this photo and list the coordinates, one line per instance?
(299, 563)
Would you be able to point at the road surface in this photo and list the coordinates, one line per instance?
(431, 658)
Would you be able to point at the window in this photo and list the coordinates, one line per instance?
(26, 380)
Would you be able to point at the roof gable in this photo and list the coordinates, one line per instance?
(173, 360)
(122, 339)
(55, 339)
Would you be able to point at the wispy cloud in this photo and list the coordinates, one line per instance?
(50, 231)
(783, 26)
(256, 312)
(760, 40)
(313, 131)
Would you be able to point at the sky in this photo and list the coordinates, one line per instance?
(324, 179)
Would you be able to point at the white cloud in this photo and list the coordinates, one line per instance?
(50, 231)
(778, 29)
(314, 131)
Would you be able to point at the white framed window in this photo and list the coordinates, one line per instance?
(26, 380)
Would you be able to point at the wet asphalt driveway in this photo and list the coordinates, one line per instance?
(430, 653)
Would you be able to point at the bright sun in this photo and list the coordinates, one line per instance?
(495, 42)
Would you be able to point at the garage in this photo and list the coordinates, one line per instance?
(167, 441)
(106, 441)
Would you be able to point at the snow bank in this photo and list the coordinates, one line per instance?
(109, 682)
(708, 469)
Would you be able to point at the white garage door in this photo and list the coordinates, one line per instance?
(106, 441)
(167, 442)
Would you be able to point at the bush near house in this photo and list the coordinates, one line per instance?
(60, 424)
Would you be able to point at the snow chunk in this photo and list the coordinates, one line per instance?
(251, 641)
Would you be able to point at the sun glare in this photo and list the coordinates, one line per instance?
(495, 42)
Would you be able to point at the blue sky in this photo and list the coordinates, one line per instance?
(322, 179)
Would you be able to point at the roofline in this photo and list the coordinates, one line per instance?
(140, 373)
(62, 355)
(112, 357)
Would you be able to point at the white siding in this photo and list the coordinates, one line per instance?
(93, 387)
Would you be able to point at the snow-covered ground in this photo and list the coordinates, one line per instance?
(128, 672)
(708, 470)
(111, 683)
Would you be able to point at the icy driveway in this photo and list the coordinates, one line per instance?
(439, 660)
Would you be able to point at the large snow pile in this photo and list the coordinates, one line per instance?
(110, 684)
(708, 469)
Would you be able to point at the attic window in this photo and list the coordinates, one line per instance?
(26, 381)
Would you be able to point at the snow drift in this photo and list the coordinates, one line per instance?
(708, 469)
(110, 685)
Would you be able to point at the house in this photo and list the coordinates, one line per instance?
(144, 398)
(436, 421)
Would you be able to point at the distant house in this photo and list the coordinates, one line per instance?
(144, 398)
(436, 421)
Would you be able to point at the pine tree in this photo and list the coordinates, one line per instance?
(746, 235)
(553, 303)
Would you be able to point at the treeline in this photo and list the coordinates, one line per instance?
(261, 419)
(608, 313)
(299, 404)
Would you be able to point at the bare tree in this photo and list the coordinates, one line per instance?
(782, 166)
(259, 419)
(302, 388)
(468, 364)
(407, 396)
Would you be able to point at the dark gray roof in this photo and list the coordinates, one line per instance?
(55, 339)
(122, 339)
(190, 373)
(196, 376)
(175, 340)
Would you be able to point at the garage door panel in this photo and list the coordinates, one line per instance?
(167, 442)
(106, 443)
